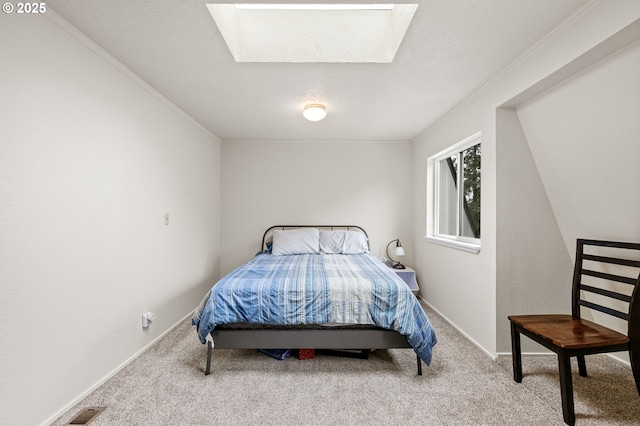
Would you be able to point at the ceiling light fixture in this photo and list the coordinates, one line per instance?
(314, 112)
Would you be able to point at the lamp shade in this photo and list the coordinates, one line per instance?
(399, 251)
(314, 112)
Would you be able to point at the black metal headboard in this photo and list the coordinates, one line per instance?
(330, 227)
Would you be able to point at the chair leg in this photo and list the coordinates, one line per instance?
(516, 354)
(582, 365)
(566, 388)
(634, 356)
(419, 365)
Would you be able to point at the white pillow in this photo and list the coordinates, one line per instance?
(296, 241)
(343, 242)
(355, 243)
(331, 242)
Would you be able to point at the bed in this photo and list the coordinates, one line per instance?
(313, 287)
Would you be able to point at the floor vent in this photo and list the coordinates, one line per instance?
(85, 416)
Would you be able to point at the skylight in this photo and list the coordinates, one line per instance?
(313, 32)
(315, 6)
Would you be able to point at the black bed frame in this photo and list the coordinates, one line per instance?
(332, 338)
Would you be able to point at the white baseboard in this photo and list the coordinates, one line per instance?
(499, 354)
(469, 338)
(112, 373)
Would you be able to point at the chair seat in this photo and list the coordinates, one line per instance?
(568, 333)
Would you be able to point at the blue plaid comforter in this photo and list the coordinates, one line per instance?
(316, 289)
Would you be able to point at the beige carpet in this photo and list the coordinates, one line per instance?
(166, 386)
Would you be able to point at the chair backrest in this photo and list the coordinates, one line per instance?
(606, 278)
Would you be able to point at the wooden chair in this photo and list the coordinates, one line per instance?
(596, 277)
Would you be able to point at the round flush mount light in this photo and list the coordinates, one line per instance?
(314, 112)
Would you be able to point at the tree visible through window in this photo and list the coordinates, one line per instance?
(458, 191)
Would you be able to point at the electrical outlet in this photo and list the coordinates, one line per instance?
(147, 319)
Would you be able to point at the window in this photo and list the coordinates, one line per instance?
(456, 195)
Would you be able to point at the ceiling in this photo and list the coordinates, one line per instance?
(451, 48)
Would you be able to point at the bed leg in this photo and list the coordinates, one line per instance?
(207, 371)
(419, 365)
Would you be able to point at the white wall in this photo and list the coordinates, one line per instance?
(534, 269)
(462, 286)
(322, 183)
(584, 136)
(458, 284)
(585, 139)
(90, 160)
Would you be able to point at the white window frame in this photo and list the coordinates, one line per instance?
(433, 212)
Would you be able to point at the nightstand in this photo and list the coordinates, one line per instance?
(408, 275)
